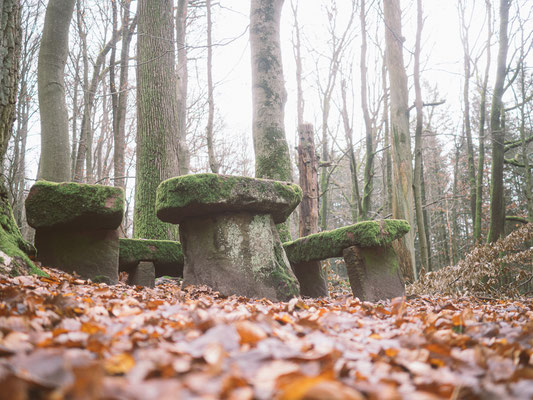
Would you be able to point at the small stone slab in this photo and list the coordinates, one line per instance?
(203, 194)
(166, 255)
(313, 283)
(374, 272)
(324, 245)
(74, 206)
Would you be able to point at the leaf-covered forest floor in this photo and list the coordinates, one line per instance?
(65, 338)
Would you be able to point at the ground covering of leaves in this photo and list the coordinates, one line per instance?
(65, 338)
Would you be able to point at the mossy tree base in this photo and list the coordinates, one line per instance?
(89, 253)
(14, 259)
(374, 272)
(312, 280)
(237, 254)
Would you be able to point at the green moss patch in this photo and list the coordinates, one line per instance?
(132, 251)
(323, 245)
(203, 194)
(74, 205)
(12, 244)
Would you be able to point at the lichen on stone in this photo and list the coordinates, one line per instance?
(323, 245)
(74, 205)
(204, 194)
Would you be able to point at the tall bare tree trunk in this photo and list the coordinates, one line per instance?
(481, 129)
(308, 168)
(417, 184)
(210, 99)
(497, 205)
(157, 123)
(296, 46)
(55, 148)
(182, 85)
(272, 158)
(369, 157)
(402, 189)
(466, 101)
(387, 186)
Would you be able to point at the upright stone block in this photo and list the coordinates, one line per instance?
(228, 233)
(76, 227)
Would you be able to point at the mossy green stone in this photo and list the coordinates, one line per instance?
(203, 194)
(74, 205)
(324, 245)
(167, 255)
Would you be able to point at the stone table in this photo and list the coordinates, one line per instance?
(228, 233)
(147, 259)
(76, 227)
(371, 262)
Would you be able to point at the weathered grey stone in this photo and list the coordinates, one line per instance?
(203, 194)
(166, 255)
(237, 253)
(143, 274)
(324, 245)
(90, 253)
(312, 280)
(74, 206)
(374, 272)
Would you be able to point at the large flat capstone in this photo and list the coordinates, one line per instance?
(74, 205)
(204, 194)
(329, 244)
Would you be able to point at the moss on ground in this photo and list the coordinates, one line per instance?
(64, 205)
(158, 251)
(201, 194)
(323, 245)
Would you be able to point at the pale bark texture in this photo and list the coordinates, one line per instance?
(402, 184)
(157, 122)
(417, 184)
(369, 140)
(182, 85)
(55, 148)
(272, 158)
(213, 164)
(481, 129)
(497, 205)
(308, 168)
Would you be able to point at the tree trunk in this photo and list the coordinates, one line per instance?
(308, 168)
(55, 149)
(417, 184)
(157, 123)
(497, 206)
(369, 158)
(182, 85)
(213, 164)
(296, 45)
(466, 101)
(482, 117)
(388, 159)
(119, 115)
(355, 201)
(272, 158)
(402, 190)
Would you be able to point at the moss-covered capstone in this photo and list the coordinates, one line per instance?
(166, 255)
(203, 194)
(74, 205)
(324, 245)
